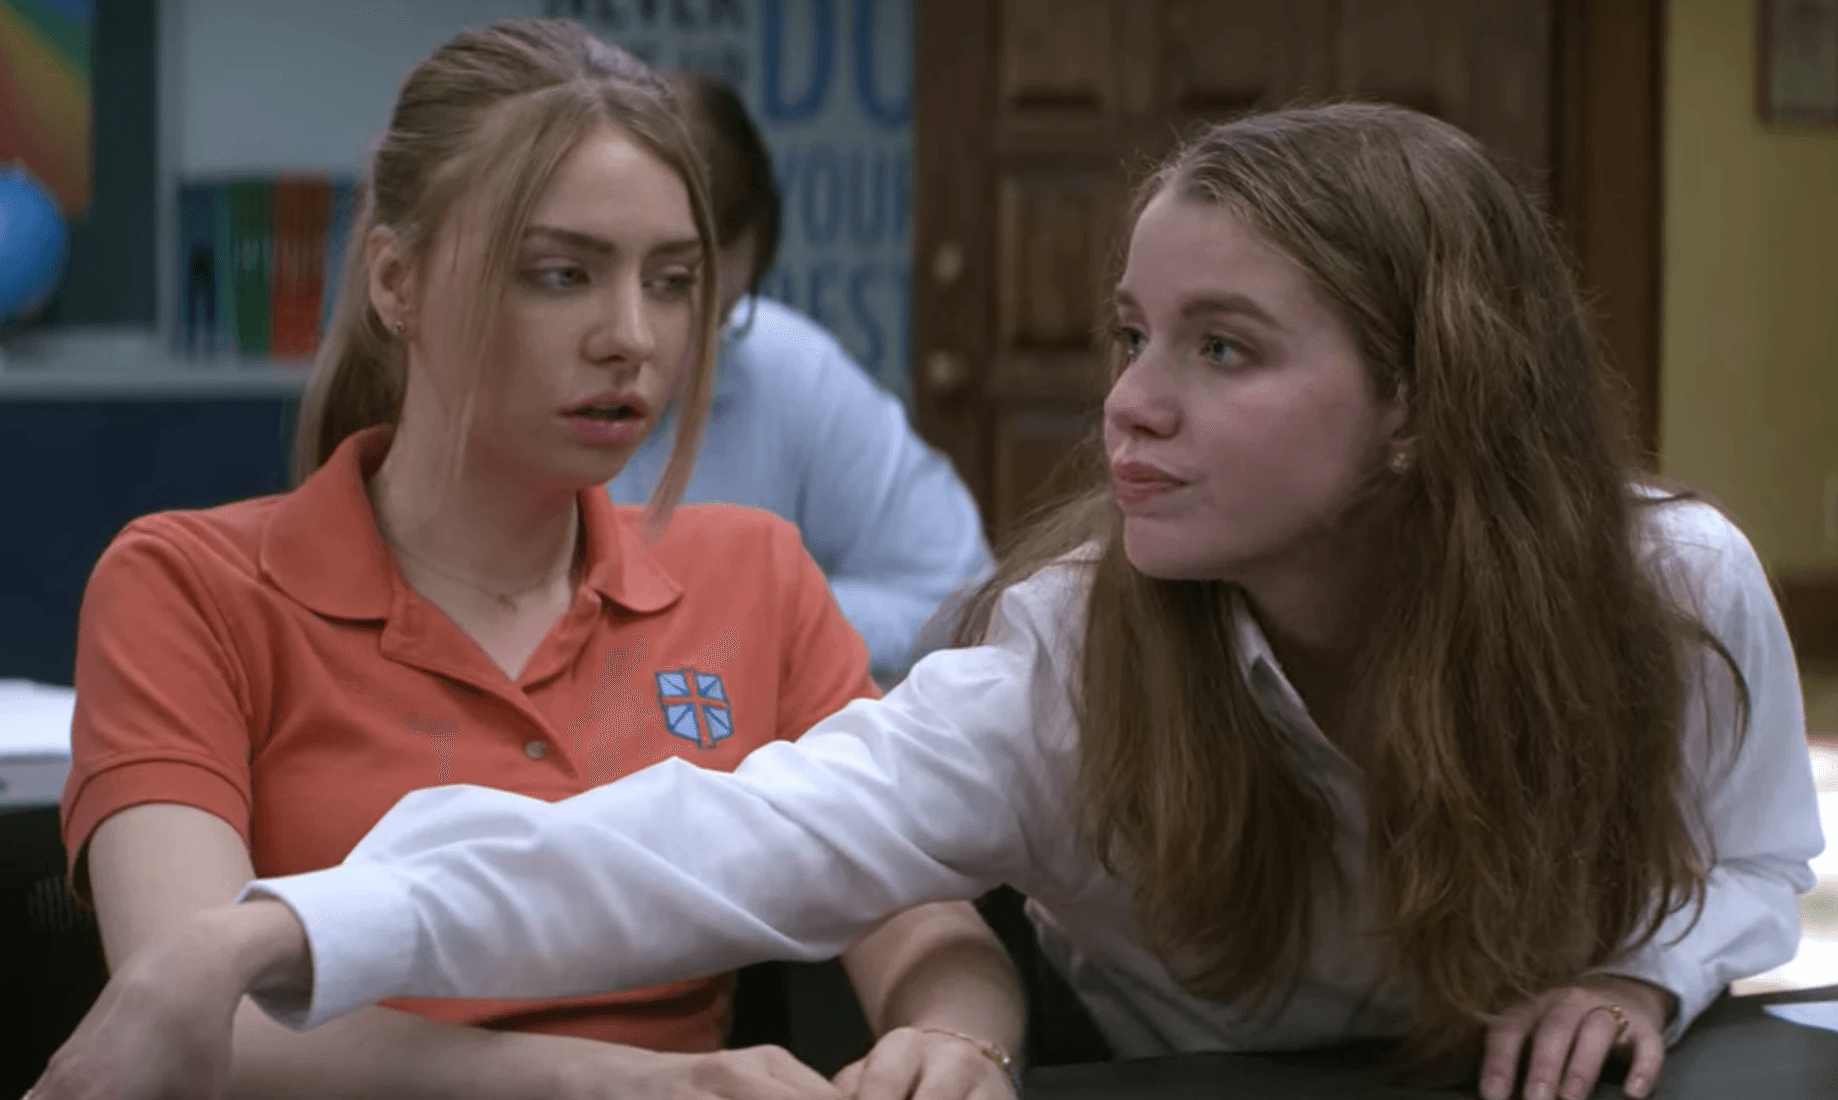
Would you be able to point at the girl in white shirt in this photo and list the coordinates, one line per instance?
(1370, 697)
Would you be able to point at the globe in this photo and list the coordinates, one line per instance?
(32, 242)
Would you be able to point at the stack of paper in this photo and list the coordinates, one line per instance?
(34, 742)
(1810, 1014)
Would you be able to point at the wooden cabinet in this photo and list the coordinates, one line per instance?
(1035, 118)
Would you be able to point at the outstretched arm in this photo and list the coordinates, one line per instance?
(944, 789)
(153, 865)
(678, 871)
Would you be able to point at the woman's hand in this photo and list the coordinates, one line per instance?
(160, 1030)
(627, 1073)
(925, 1065)
(1572, 1031)
(162, 1026)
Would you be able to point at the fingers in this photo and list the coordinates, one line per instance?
(1569, 1036)
(958, 1071)
(994, 1088)
(891, 1070)
(799, 1079)
(1551, 1046)
(1596, 1035)
(909, 1064)
(770, 1073)
(1649, 1054)
(1505, 1041)
(964, 1083)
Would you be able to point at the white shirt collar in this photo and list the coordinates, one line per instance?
(1270, 687)
(1248, 637)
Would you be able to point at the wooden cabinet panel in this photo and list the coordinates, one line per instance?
(1057, 59)
(1405, 51)
(1483, 65)
(1053, 240)
(1223, 57)
(1042, 454)
(1513, 102)
(1056, 228)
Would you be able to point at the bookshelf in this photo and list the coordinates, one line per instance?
(133, 362)
(244, 380)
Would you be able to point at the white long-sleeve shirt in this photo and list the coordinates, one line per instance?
(958, 782)
(797, 427)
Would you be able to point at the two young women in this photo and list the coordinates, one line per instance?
(1372, 695)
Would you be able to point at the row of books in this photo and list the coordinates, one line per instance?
(258, 264)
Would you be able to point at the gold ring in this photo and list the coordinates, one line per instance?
(1614, 1010)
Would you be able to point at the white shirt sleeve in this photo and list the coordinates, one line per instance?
(1760, 809)
(942, 790)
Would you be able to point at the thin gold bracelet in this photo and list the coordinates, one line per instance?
(987, 1049)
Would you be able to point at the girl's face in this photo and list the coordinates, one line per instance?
(1245, 421)
(598, 325)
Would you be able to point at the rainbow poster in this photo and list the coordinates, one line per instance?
(45, 94)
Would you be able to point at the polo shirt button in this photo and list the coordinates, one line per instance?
(536, 750)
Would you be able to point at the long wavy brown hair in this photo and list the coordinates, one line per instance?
(1521, 699)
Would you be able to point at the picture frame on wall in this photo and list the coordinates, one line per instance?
(46, 50)
(1797, 69)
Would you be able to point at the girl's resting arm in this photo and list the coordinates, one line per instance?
(1760, 810)
(941, 791)
(157, 817)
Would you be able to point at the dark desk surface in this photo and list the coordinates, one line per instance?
(1734, 1052)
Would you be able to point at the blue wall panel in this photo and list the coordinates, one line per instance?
(73, 472)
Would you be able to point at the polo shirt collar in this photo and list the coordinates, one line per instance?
(322, 546)
(620, 564)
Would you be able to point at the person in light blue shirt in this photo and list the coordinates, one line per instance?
(798, 428)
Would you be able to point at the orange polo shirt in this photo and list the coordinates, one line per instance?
(265, 662)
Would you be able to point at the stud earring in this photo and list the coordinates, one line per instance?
(399, 328)
(1400, 461)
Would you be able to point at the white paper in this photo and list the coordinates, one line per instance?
(35, 720)
(1810, 1013)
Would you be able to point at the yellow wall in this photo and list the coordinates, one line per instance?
(1749, 403)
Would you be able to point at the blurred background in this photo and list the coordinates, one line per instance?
(952, 173)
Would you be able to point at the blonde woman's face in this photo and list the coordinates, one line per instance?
(1244, 422)
(600, 319)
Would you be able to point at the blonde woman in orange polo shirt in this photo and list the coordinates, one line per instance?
(449, 597)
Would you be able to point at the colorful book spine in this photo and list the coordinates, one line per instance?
(283, 201)
(225, 342)
(202, 252)
(344, 197)
(302, 209)
(251, 222)
(258, 265)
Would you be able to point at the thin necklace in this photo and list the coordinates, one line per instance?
(508, 600)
